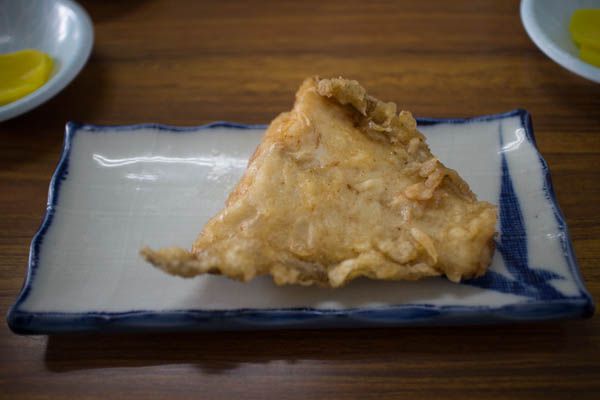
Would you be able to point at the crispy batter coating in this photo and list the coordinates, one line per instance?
(342, 186)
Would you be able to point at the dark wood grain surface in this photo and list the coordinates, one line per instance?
(191, 62)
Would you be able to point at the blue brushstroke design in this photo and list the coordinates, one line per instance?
(512, 245)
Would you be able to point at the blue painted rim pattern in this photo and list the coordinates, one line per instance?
(23, 322)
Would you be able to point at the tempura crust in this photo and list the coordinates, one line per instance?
(340, 187)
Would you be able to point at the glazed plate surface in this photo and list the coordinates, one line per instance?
(119, 188)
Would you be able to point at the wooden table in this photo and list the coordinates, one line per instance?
(191, 62)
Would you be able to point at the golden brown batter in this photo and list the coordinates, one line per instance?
(342, 186)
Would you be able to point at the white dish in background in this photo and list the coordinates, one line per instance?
(60, 28)
(547, 24)
(117, 189)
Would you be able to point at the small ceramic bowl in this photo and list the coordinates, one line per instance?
(547, 24)
(60, 28)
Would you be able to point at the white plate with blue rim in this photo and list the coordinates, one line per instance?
(118, 188)
(60, 28)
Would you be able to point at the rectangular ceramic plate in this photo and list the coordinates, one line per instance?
(118, 188)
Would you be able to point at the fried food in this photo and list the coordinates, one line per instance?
(340, 187)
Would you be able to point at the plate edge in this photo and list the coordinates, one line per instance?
(568, 250)
(36, 323)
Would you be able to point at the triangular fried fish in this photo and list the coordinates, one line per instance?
(341, 187)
